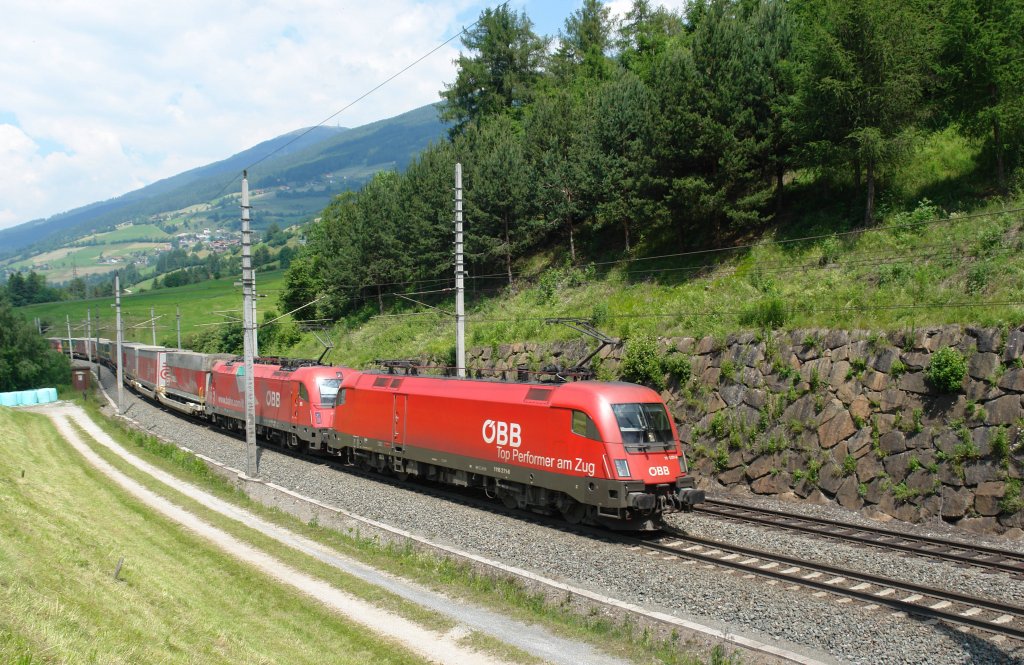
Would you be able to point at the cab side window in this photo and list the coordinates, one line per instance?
(303, 393)
(583, 425)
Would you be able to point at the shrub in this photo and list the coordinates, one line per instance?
(678, 366)
(849, 465)
(947, 370)
(768, 313)
(641, 364)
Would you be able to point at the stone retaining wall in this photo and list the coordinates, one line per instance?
(831, 415)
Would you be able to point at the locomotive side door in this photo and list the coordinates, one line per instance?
(401, 403)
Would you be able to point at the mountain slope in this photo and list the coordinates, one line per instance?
(298, 160)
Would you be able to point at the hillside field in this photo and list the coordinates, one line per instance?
(199, 305)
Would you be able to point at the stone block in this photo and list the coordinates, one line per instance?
(847, 495)
(987, 498)
(762, 466)
(979, 391)
(885, 422)
(732, 394)
(861, 408)
(686, 345)
(982, 525)
(837, 375)
(893, 442)
(914, 382)
(882, 360)
(731, 476)
(1003, 411)
(705, 345)
(921, 481)
(801, 410)
(954, 503)
(835, 339)
(897, 466)
(982, 438)
(891, 400)
(1013, 380)
(874, 380)
(982, 365)
(711, 376)
(751, 377)
(830, 478)
(755, 398)
(874, 491)
(803, 488)
(945, 408)
(949, 476)
(988, 339)
(1014, 346)
(860, 443)
(1014, 521)
(835, 430)
(919, 440)
(869, 467)
(849, 391)
(771, 484)
(979, 473)
(915, 360)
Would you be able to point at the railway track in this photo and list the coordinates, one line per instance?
(987, 558)
(959, 609)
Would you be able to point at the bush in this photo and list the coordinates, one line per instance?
(641, 364)
(947, 370)
(767, 313)
(677, 365)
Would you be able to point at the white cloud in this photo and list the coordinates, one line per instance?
(100, 98)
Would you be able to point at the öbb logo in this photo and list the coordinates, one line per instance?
(502, 433)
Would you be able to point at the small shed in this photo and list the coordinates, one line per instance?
(80, 375)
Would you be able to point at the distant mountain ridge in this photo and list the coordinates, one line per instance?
(298, 159)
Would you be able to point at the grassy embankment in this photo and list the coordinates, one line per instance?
(940, 255)
(198, 303)
(177, 599)
(445, 575)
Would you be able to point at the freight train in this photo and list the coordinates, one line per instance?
(594, 452)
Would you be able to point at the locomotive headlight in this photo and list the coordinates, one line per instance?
(622, 468)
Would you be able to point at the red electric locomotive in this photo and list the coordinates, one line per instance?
(294, 400)
(603, 453)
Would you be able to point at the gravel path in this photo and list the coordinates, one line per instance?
(843, 632)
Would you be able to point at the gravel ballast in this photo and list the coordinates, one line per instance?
(845, 632)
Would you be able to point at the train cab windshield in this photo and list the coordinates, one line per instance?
(328, 392)
(644, 427)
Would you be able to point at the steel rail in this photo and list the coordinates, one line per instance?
(937, 548)
(766, 564)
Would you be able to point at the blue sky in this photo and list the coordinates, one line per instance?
(101, 98)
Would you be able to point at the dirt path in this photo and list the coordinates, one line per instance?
(428, 644)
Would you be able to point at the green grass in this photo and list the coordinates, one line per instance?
(198, 303)
(64, 527)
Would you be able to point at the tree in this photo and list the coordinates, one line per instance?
(26, 360)
(617, 147)
(552, 144)
(584, 44)
(981, 57)
(865, 65)
(505, 65)
(499, 194)
(643, 34)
